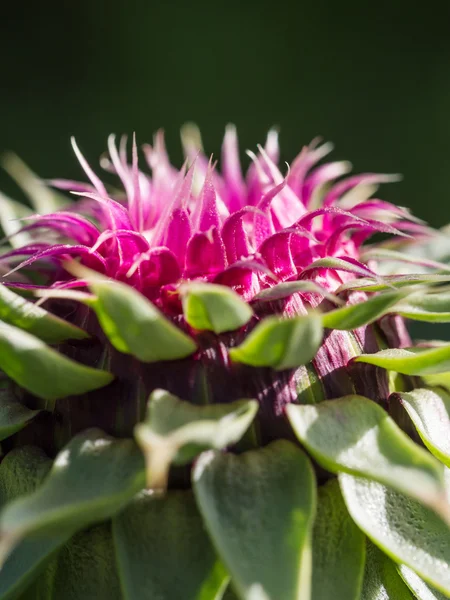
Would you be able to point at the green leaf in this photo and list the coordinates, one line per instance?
(339, 548)
(356, 315)
(91, 479)
(43, 199)
(407, 531)
(21, 472)
(10, 213)
(163, 550)
(421, 590)
(259, 510)
(355, 435)
(393, 281)
(381, 580)
(429, 410)
(84, 569)
(411, 361)
(386, 254)
(214, 307)
(134, 325)
(338, 264)
(432, 308)
(176, 431)
(43, 371)
(17, 311)
(14, 416)
(287, 288)
(281, 343)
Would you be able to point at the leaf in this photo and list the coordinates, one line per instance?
(259, 510)
(134, 325)
(43, 199)
(163, 550)
(411, 361)
(421, 590)
(381, 580)
(43, 371)
(213, 307)
(91, 479)
(431, 308)
(10, 214)
(393, 281)
(287, 288)
(356, 315)
(17, 311)
(407, 531)
(21, 472)
(382, 254)
(176, 431)
(281, 343)
(354, 435)
(84, 569)
(14, 416)
(339, 548)
(429, 410)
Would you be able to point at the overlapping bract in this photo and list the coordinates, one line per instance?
(248, 233)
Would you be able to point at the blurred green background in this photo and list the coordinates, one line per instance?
(373, 78)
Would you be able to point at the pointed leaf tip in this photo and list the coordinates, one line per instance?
(43, 371)
(133, 324)
(17, 311)
(411, 361)
(214, 307)
(281, 343)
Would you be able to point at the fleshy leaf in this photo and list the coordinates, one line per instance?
(163, 550)
(91, 479)
(407, 531)
(43, 371)
(13, 415)
(21, 472)
(338, 548)
(411, 361)
(17, 311)
(381, 580)
(83, 569)
(262, 529)
(214, 307)
(355, 315)
(432, 308)
(176, 431)
(430, 412)
(393, 281)
(134, 325)
(355, 435)
(281, 343)
(421, 590)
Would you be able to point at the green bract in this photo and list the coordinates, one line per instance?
(215, 396)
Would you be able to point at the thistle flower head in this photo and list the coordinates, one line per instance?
(249, 233)
(265, 328)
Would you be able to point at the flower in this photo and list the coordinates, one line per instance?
(267, 331)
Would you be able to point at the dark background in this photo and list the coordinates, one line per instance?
(372, 77)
